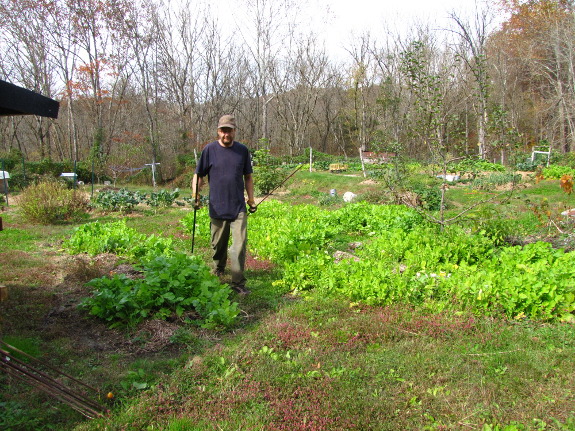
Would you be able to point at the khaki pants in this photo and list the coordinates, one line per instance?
(220, 230)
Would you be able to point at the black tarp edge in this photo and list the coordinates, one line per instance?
(16, 100)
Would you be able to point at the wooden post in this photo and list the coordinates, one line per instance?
(3, 293)
(362, 164)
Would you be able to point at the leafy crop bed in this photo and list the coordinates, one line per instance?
(172, 282)
(404, 259)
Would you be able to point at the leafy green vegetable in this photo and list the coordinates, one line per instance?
(95, 238)
(172, 285)
(404, 259)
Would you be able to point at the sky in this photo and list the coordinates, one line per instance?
(348, 18)
(339, 21)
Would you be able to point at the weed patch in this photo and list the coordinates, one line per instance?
(52, 202)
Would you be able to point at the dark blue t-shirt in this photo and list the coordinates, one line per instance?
(225, 168)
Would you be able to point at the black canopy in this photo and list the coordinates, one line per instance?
(16, 100)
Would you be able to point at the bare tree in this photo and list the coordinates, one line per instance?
(297, 81)
(264, 30)
(25, 30)
(473, 36)
(180, 68)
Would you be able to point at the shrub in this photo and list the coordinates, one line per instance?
(18, 181)
(321, 165)
(489, 222)
(267, 179)
(430, 195)
(326, 199)
(376, 197)
(267, 176)
(52, 202)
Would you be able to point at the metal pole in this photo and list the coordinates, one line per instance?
(153, 165)
(93, 177)
(196, 203)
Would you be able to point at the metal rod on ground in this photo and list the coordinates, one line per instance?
(23, 371)
(281, 184)
(50, 388)
(16, 350)
(11, 360)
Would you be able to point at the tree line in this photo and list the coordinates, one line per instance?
(144, 81)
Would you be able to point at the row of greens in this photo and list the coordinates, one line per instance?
(390, 255)
(125, 200)
(404, 259)
(171, 283)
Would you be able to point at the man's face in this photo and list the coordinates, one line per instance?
(226, 135)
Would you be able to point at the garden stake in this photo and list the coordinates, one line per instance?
(196, 203)
(281, 184)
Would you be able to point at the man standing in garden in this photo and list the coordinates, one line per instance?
(228, 165)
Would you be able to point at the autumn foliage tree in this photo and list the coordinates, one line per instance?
(538, 41)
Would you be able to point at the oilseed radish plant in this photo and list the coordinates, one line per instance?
(172, 283)
(405, 259)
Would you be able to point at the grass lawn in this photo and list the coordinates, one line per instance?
(289, 362)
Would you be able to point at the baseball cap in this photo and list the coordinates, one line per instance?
(227, 121)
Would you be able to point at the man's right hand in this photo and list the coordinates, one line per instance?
(197, 201)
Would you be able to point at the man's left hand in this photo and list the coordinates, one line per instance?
(252, 206)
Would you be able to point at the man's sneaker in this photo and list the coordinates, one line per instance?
(240, 290)
(219, 273)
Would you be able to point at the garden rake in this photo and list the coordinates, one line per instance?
(253, 209)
